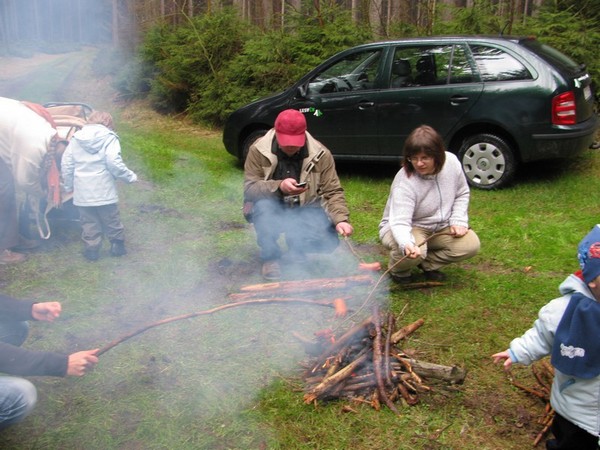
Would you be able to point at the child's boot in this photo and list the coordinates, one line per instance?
(117, 247)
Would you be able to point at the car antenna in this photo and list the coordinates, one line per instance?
(502, 31)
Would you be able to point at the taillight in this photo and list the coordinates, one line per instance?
(563, 109)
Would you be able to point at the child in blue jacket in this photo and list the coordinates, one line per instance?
(568, 329)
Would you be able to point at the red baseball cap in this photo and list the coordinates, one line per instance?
(290, 128)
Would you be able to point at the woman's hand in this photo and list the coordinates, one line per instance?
(412, 251)
(458, 231)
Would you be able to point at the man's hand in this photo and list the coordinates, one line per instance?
(344, 229)
(81, 362)
(289, 187)
(47, 311)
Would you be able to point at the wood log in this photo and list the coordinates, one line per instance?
(378, 362)
(356, 332)
(450, 374)
(312, 284)
(406, 331)
(337, 377)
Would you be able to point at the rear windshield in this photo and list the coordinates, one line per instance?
(549, 54)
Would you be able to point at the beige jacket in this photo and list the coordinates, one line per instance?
(318, 169)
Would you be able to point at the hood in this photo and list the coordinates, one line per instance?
(92, 138)
(574, 283)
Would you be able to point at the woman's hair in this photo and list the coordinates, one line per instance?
(102, 118)
(426, 140)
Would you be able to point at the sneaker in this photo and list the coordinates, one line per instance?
(8, 257)
(91, 253)
(271, 270)
(434, 275)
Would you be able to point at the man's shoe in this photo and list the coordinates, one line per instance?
(434, 275)
(8, 257)
(117, 248)
(271, 270)
(91, 253)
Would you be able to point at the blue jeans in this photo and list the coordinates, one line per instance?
(17, 395)
(307, 229)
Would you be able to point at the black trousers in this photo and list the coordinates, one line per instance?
(569, 436)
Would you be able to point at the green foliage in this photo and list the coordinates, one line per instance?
(215, 63)
(576, 35)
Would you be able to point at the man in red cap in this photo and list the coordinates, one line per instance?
(291, 187)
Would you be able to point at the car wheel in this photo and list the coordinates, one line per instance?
(487, 160)
(250, 140)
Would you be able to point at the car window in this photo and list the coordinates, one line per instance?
(552, 56)
(461, 67)
(354, 72)
(430, 65)
(497, 65)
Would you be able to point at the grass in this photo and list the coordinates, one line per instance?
(231, 380)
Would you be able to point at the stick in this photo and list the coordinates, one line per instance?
(378, 362)
(384, 274)
(116, 342)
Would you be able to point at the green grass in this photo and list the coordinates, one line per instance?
(231, 380)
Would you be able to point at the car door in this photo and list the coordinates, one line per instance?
(337, 103)
(439, 89)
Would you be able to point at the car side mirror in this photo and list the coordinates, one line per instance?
(301, 92)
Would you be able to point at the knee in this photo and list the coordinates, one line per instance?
(18, 397)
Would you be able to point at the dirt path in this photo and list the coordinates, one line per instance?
(69, 75)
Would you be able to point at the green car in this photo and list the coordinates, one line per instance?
(497, 101)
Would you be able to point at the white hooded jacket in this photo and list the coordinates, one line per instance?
(91, 164)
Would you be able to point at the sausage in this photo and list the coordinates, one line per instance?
(374, 267)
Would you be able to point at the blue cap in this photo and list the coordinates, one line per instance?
(588, 254)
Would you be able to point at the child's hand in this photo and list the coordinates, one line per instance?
(503, 356)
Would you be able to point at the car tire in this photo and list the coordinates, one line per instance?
(488, 161)
(253, 136)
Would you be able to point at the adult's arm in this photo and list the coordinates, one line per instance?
(13, 309)
(19, 361)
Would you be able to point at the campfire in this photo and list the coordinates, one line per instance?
(366, 364)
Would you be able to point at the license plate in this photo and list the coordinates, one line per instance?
(587, 92)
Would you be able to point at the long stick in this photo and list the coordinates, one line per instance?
(259, 301)
(383, 275)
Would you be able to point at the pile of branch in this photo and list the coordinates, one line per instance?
(543, 373)
(366, 364)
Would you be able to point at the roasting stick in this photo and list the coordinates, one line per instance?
(384, 274)
(260, 301)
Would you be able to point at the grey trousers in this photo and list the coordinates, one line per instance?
(435, 254)
(9, 228)
(98, 222)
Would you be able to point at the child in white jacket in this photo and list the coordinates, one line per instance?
(90, 166)
(568, 328)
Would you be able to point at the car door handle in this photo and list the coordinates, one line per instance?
(456, 99)
(365, 105)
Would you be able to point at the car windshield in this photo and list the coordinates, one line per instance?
(552, 56)
(357, 71)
